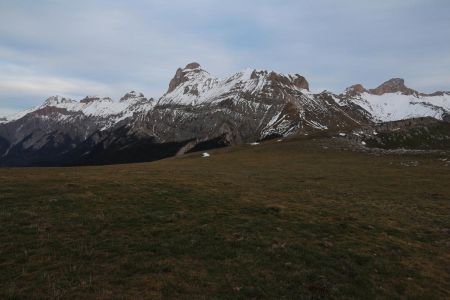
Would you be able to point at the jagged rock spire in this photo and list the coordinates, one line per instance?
(180, 75)
(132, 95)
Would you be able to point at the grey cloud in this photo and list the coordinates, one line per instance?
(109, 47)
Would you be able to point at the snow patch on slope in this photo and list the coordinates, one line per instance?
(104, 108)
(396, 106)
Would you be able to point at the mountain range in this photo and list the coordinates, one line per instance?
(200, 112)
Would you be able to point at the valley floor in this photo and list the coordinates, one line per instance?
(287, 220)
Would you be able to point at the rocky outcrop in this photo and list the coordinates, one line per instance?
(180, 75)
(438, 93)
(354, 90)
(131, 96)
(279, 79)
(55, 100)
(192, 65)
(394, 85)
(90, 99)
(300, 82)
(446, 117)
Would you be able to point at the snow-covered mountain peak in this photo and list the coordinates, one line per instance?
(55, 100)
(192, 72)
(90, 99)
(276, 78)
(193, 85)
(132, 96)
(398, 106)
(393, 100)
(188, 85)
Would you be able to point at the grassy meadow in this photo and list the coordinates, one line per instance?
(288, 220)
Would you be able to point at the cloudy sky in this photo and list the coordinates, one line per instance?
(74, 48)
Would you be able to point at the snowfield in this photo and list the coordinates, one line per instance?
(396, 106)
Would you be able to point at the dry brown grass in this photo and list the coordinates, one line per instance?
(280, 220)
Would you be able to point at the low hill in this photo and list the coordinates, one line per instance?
(420, 133)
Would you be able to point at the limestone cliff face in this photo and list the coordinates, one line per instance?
(181, 75)
(354, 90)
(393, 86)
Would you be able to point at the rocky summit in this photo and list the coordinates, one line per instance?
(199, 112)
(395, 85)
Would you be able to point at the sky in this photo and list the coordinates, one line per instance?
(103, 47)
